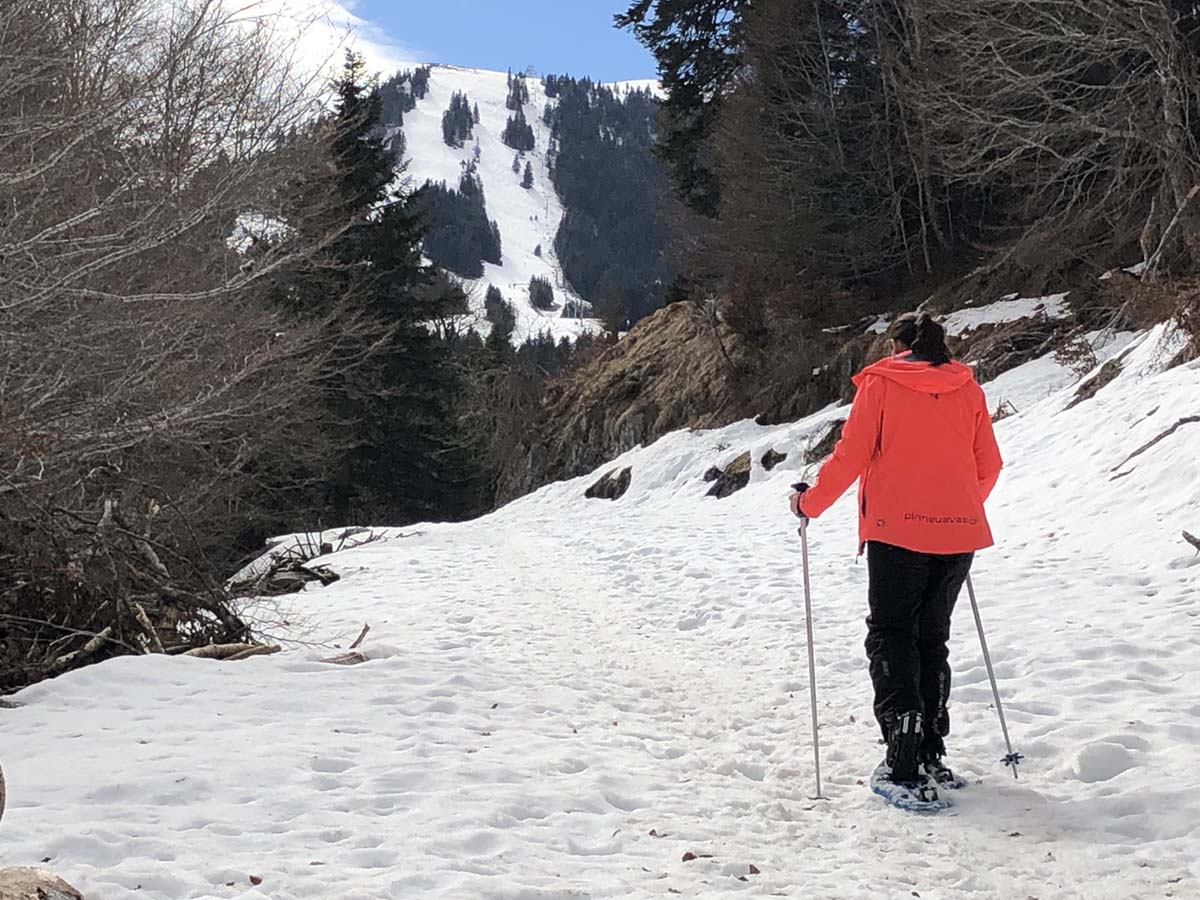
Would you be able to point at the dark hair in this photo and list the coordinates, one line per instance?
(925, 337)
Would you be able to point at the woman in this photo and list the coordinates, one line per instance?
(919, 440)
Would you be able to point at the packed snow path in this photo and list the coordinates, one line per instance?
(566, 697)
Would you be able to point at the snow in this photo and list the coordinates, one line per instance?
(1136, 270)
(527, 218)
(250, 227)
(653, 85)
(566, 697)
(1008, 309)
(1044, 377)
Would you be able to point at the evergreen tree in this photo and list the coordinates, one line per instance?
(420, 82)
(527, 181)
(504, 321)
(612, 239)
(697, 44)
(396, 98)
(541, 293)
(459, 237)
(518, 93)
(516, 166)
(475, 114)
(458, 121)
(518, 133)
(389, 382)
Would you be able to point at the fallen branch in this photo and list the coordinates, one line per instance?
(232, 651)
(261, 650)
(358, 640)
(67, 660)
(144, 620)
(346, 659)
(1186, 420)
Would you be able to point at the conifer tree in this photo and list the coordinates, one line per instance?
(527, 181)
(541, 293)
(459, 236)
(697, 44)
(504, 321)
(518, 133)
(457, 121)
(420, 82)
(394, 405)
(518, 93)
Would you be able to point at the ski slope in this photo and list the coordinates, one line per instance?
(527, 218)
(567, 698)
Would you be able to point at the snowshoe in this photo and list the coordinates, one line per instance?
(919, 795)
(941, 774)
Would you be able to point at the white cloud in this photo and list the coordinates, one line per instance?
(325, 27)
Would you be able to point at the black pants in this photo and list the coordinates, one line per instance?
(912, 597)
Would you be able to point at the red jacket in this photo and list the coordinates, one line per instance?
(919, 439)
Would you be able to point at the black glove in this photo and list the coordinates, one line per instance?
(800, 490)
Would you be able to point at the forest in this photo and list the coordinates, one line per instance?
(873, 145)
(613, 238)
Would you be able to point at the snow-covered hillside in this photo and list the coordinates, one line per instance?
(575, 699)
(528, 219)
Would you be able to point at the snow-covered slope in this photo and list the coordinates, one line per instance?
(527, 218)
(571, 698)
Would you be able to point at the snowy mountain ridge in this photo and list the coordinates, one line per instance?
(529, 219)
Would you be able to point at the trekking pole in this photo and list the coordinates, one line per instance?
(1013, 759)
(812, 665)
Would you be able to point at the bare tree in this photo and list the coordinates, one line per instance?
(145, 383)
(1072, 114)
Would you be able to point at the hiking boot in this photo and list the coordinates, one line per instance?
(904, 748)
(940, 773)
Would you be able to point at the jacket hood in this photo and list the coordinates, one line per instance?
(918, 375)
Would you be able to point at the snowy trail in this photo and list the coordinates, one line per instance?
(567, 696)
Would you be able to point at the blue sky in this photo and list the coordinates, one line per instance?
(573, 37)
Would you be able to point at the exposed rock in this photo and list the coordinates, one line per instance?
(825, 445)
(1090, 388)
(612, 486)
(286, 574)
(772, 458)
(667, 373)
(677, 369)
(735, 477)
(34, 884)
(713, 474)
(992, 350)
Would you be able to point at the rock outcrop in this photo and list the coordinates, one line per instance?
(34, 884)
(732, 479)
(772, 458)
(669, 372)
(612, 486)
